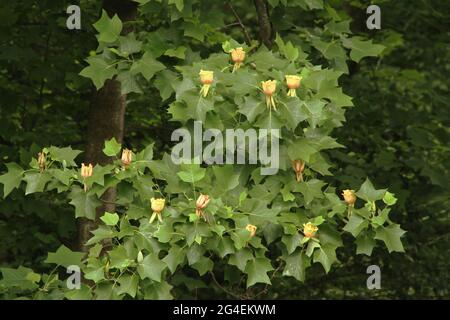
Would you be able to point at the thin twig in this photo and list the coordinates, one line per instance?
(220, 286)
(248, 40)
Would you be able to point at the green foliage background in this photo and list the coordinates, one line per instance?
(397, 134)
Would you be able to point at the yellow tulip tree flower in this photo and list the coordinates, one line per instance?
(127, 156)
(86, 172)
(157, 207)
(238, 57)
(206, 78)
(41, 161)
(269, 88)
(309, 230)
(293, 83)
(349, 197)
(201, 203)
(252, 229)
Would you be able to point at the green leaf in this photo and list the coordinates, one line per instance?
(389, 198)
(109, 29)
(65, 257)
(98, 71)
(176, 53)
(158, 291)
(364, 244)
(128, 83)
(256, 271)
(226, 178)
(174, 258)
(178, 3)
(191, 173)
(36, 181)
(369, 193)
(356, 224)
(128, 284)
(84, 203)
(128, 44)
(391, 236)
(240, 258)
(19, 277)
(296, 265)
(11, 180)
(151, 268)
(361, 48)
(292, 241)
(110, 219)
(311, 189)
(147, 66)
(62, 155)
(203, 265)
(84, 293)
(326, 255)
(112, 147)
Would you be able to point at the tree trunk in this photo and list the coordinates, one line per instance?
(106, 120)
(266, 32)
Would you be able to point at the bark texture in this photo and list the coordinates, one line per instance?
(106, 120)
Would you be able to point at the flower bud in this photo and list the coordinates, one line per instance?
(299, 167)
(237, 56)
(206, 78)
(140, 257)
(309, 230)
(41, 161)
(349, 197)
(158, 204)
(269, 88)
(252, 229)
(293, 82)
(127, 156)
(157, 207)
(201, 203)
(86, 170)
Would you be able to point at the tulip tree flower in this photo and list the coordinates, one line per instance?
(293, 83)
(86, 172)
(299, 167)
(127, 156)
(252, 229)
(157, 207)
(309, 230)
(41, 161)
(206, 78)
(238, 57)
(201, 203)
(269, 88)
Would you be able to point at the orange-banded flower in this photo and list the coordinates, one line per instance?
(201, 203)
(299, 167)
(127, 157)
(206, 78)
(252, 229)
(157, 207)
(309, 230)
(349, 197)
(41, 161)
(237, 56)
(269, 88)
(293, 83)
(86, 172)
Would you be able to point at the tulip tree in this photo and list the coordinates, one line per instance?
(252, 227)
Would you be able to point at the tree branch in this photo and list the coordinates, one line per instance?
(266, 32)
(248, 40)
